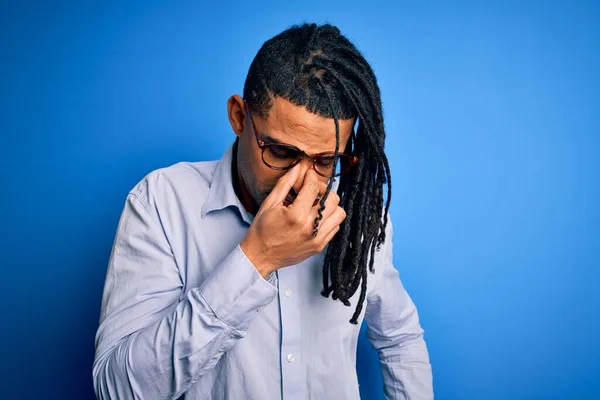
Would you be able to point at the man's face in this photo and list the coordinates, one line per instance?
(287, 124)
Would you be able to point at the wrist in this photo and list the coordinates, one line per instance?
(258, 258)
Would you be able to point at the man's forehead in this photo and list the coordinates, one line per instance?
(292, 124)
(285, 112)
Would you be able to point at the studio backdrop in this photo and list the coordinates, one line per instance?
(492, 118)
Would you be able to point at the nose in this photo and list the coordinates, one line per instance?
(305, 167)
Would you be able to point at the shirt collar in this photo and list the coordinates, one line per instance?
(221, 193)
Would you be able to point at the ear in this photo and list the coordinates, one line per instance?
(236, 111)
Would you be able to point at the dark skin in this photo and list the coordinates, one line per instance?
(284, 201)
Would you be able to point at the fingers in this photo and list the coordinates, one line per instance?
(282, 187)
(330, 206)
(332, 222)
(308, 193)
(322, 189)
(333, 199)
(311, 188)
(329, 238)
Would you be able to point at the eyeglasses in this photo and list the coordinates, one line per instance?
(280, 156)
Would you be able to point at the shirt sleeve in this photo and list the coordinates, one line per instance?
(153, 342)
(393, 329)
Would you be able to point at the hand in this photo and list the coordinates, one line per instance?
(283, 235)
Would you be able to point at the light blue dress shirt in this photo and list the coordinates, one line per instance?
(186, 315)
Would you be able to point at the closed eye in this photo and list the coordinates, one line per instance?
(282, 152)
(326, 161)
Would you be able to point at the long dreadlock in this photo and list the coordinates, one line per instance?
(320, 69)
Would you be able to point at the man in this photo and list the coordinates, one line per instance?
(219, 280)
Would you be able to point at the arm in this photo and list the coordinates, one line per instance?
(393, 329)
(151, 344)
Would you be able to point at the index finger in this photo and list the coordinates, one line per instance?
(282, 187)
(311, 188)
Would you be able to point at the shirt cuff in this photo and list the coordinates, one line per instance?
(235, 290)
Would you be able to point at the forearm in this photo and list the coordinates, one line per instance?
(161, 360)
(406, 369)
(396, 334)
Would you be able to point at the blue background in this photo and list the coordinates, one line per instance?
(492, 112)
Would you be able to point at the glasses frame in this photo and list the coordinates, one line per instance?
(262, 145)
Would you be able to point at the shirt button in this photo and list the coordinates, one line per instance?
(288, 292)
(291, 357)
(259, 309)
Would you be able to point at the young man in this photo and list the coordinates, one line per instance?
(219, 282)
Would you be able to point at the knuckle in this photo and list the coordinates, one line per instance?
(313, 187)
(335, 198)
(307, 231)
(303, 225)
(321, 246)
(295, 218)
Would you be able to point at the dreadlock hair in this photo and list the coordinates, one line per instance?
(319, 68)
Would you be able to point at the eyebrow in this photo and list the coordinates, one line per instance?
(268, 139)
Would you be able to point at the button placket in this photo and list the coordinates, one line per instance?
(293, 375)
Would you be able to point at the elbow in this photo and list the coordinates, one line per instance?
(111, 378)
(404, 340)
(406, 348)
(103, 378)
(397, 333)
(100, 378)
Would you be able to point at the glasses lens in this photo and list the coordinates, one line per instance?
(324, 164)
(280, 156)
